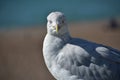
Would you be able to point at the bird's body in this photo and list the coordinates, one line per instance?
(70, 58)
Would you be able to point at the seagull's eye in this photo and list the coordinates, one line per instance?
(50, 21)
(63, 21)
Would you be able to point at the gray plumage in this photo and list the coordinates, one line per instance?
(70, 58)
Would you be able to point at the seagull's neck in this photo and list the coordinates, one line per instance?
(65, 37)
(53, 42)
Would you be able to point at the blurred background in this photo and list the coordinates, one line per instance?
(23, 28)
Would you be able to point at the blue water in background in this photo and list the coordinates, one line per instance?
(34, 12)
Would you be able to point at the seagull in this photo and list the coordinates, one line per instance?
(69, 58)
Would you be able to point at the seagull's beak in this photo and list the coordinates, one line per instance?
(57, 28)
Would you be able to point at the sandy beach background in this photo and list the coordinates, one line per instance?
(21, 55)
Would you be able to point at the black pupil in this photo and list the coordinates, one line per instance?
(62, 21)
(50, 21)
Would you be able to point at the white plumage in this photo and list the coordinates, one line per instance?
(70, 58)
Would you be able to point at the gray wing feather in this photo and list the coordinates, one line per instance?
(88, 61)
(108, 54)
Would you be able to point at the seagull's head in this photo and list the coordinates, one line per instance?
(56, 23)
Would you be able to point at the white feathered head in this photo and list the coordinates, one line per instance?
(56, 24)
